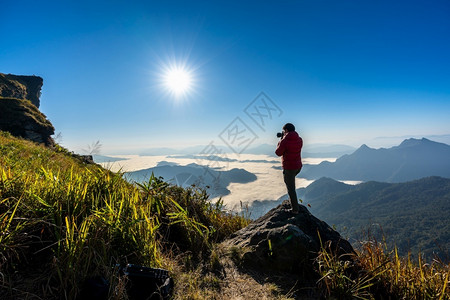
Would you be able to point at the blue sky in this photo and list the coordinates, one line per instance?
(341, 71)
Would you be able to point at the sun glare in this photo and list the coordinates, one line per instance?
(178, 80)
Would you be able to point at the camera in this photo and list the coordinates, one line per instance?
(279, 134)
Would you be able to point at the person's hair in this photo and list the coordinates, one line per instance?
(289, 127)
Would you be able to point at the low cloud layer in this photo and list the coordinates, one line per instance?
(268, 185)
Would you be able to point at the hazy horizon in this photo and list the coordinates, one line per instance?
(378, 142)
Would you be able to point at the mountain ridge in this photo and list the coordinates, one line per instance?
(399, 209)
(411, 215)
(412, 159)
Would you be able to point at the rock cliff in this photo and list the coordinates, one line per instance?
(22, 119)
(21, 87)
(19, 113)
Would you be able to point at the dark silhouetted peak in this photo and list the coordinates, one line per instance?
(364, 147)
(427, 148)
(414, 142)
(363, 150)
(324, 186)
(325, 182)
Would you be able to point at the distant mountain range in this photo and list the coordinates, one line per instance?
(326, 150)
(214, 181)
(412, 159)
(312, 150)
(414, 215)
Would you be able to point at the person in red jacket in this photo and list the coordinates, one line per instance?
(289, 148)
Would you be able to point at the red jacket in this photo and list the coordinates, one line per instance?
(290, 147)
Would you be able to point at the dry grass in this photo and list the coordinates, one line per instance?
(403, 277)
(220, 278)
(376, 273)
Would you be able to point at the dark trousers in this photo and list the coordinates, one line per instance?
(289, 180)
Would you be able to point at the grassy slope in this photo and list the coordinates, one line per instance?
(63, 221)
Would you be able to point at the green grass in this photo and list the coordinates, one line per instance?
(62, 221)
(70, 220)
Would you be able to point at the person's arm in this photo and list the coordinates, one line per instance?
(281, 147)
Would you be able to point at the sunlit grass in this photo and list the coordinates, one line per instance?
(404, 277)
(62, 221)
(374, 272)
(82, 219)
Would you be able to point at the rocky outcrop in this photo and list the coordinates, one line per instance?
(21, 87)
(287, 242)
(19, 113)
(21, 118)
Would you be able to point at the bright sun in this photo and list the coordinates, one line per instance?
(178, 80)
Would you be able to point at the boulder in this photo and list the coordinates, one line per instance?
(283, 241)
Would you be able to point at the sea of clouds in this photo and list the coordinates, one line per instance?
(268, 185)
